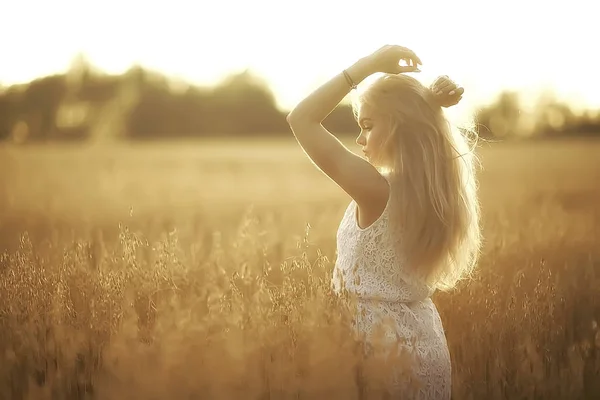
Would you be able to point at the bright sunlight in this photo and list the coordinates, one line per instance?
(180, 217)
(484, 45)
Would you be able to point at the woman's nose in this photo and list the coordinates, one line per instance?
(360, 140)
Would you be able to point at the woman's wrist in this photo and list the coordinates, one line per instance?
(360, 70)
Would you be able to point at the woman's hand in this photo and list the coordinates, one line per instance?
(446, 91)
(387, 60)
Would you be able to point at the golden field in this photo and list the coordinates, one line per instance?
(200, 270)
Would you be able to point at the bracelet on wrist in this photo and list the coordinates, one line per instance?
(349, 80)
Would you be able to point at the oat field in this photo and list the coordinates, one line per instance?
(200, 270)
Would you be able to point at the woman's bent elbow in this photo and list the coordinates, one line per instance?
(292, 118)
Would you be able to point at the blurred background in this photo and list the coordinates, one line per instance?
(126, 70)
(155, 206)
(175, 111)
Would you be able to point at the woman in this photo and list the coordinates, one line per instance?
(412, 226)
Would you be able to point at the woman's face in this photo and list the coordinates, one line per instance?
(374, 131)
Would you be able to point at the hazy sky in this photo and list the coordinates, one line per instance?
(485, 45)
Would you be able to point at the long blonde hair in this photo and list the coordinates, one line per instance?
(434, 208)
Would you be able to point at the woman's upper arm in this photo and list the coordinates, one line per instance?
(355, 175)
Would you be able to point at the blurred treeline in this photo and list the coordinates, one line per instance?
(85, 104)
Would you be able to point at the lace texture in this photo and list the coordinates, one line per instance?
(393, 308)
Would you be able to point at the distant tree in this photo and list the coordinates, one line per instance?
(79, 71)
(552, 117)
(160, 113)
(10, 102)
(85, 103)
(502, 118)
(40, 103)
(588, 124)
(244, 104)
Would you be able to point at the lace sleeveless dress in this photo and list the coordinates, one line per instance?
(393, 306)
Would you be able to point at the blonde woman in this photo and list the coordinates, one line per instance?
(412, 226)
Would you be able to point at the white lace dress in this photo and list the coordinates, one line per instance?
(368, 269)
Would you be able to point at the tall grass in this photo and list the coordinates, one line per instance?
(169, 273)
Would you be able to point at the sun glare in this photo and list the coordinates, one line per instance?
(295, 48)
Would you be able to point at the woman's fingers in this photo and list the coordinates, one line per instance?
(408, 64)
(412, 55)
(447, 85)
(441, 79)
(404, 68)
(436, 85)
(457, 92)
(449, 88)
(444, 87)
(407, 54)
(443, 84)
(448, 100)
